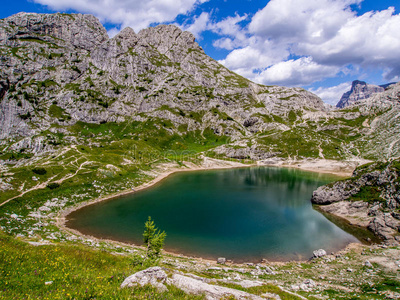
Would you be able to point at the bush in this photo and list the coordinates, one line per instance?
(39, 171)
(53, 185)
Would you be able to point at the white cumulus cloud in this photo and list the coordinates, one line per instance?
(332, 95)
(200, 24)
(292, 72)
(324, 36)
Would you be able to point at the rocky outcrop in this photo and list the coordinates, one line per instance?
(360, 90)
(198, 287)
(191, 284)
(154, 276)
(371, 198)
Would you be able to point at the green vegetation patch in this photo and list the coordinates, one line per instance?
(62, 271)
(57, 112)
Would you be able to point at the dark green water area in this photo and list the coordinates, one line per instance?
(243, 214)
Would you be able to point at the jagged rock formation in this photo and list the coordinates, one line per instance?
(360, 90)
(371, 198)
(67, 65)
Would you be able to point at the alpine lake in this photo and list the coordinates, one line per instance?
(243, 214)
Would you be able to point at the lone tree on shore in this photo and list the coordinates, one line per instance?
(153, 238)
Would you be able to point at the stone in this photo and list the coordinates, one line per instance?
(221, 260)
(269, 270)
(368, 264)
(308, 285)
(319, 253)
(154, 276)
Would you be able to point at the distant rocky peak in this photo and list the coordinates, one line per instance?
(359, 90)
(357, 83)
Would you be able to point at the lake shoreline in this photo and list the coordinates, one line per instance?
(332, 167)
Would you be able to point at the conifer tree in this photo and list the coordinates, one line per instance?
(153, 238)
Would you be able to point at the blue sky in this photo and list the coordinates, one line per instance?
(321, 45)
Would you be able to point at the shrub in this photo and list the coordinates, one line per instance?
(39, 171)
(76, 69)
(53, 185)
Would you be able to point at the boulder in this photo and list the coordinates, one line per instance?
(319, 253)
(368, 264)
(380, 229)
(195, 285)
(154, 276)
(198, 287)
(221, 260)
(307, 285)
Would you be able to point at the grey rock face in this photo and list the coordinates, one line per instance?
(157, 277)
(76, 30)
(381, 188)
(359, 90)
(327, 195)
(160, 72)
(212, 292)
(154, 276)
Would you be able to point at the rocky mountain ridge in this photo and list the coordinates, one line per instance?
(96, 79)
(360, 90)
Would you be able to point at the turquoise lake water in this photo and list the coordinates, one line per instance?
(243, 214)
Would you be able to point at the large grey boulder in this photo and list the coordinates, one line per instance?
(191, 284)
(319, 253)
(154, 276)
(212, 292)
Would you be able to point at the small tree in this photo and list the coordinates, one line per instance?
(153, 238)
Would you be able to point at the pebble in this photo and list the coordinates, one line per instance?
(368, 264)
